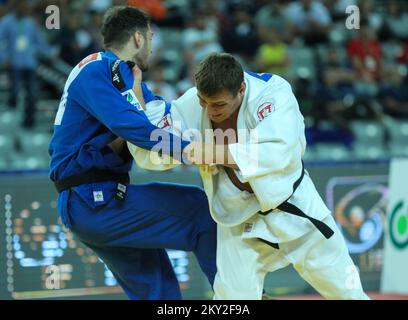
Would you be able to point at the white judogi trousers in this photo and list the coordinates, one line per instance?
(324, 263)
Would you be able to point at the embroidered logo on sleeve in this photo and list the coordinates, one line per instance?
(264, 110)
(165, 122)
(132, 99)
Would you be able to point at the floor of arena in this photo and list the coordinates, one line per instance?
(372, 295)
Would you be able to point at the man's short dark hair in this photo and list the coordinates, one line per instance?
(120, 23)
(217, 72)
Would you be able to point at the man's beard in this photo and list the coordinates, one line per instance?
(141, 62)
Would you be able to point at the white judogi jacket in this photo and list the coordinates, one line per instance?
(270, 146)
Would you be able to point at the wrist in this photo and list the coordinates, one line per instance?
(137, 84)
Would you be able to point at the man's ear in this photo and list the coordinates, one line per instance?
(138, 39)
(243, 87)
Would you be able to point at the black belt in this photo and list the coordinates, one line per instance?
(292, 209)
(91, 176)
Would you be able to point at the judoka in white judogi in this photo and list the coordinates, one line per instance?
(254, 235)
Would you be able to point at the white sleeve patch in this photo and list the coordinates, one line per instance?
(132, 99)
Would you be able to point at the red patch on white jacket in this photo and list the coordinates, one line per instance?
(264, 110)
(165, 122)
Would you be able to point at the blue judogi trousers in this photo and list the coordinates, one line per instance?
(131, 236)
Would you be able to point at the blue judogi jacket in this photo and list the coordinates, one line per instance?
(97, 106)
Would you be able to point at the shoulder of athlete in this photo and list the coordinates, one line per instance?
(266, 97)
(100, 68)
(188, 102)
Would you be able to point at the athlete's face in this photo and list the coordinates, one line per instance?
(222, 105)
(143, 55)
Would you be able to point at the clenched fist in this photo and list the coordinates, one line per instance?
(200, 153)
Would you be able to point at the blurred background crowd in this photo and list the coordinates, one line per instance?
(351, 84)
